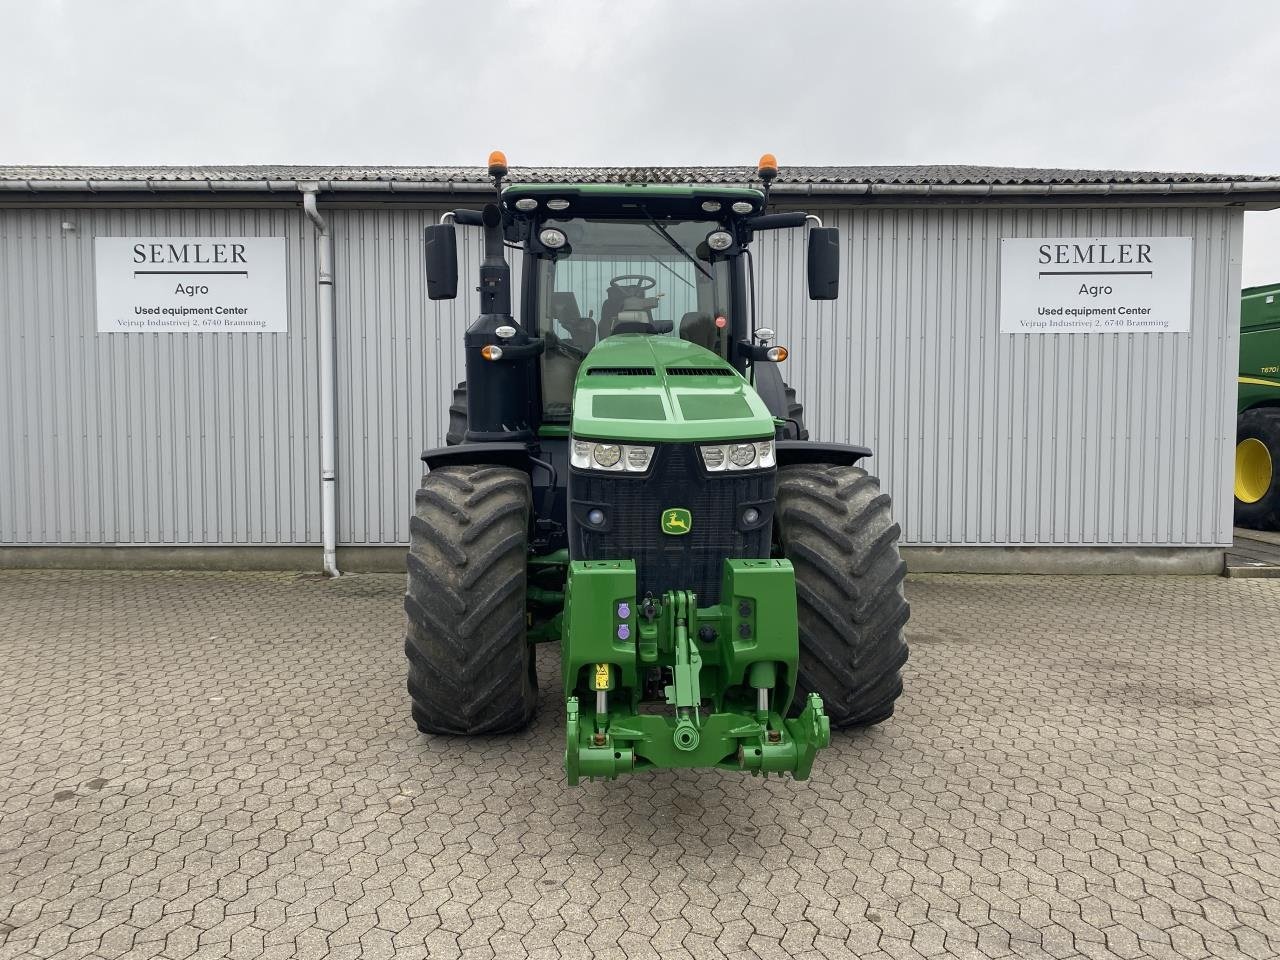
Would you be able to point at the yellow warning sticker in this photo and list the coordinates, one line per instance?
(602, 676)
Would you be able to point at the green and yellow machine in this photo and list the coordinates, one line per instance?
(1257, 503)
(627, 473)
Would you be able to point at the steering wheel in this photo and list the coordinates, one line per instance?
(643, 281)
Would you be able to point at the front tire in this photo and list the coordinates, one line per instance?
(1257, 486)
(471, 667)
(834, 525)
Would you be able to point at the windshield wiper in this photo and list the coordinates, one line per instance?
(661, 231)
(667, 267)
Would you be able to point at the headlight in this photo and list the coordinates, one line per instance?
(719, 240)
(606, 455)
(552, 238)
(744, 455)
(614, 457)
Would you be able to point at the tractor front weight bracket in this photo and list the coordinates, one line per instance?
(661, 683)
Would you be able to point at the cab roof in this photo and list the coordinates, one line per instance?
(679, 201)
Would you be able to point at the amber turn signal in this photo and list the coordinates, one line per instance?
(497, 164)
(491, 352)
(777, 354)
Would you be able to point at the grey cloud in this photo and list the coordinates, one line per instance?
(1154, 85)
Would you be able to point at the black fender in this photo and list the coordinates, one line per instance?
(545, 531)
(791, 452)
(498, 454)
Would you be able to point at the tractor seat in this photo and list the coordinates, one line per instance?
(623, 305)
(633, 326)
(638, 322)
(627, 312)
(636, 316)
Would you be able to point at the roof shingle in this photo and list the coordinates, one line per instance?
(919, 175)
(888, 183)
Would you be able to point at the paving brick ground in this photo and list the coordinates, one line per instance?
(222, 766)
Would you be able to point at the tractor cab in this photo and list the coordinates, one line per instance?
(610, 260)
(605, 260)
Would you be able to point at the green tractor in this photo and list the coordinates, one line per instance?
(1257, 500)
(627, 473)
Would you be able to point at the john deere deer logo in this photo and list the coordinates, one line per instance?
(676, 521)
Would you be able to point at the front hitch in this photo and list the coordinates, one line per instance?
(726, 674)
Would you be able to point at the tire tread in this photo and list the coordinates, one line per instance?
(836, 527)
(470, 666)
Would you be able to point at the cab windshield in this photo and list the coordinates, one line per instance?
(626, 276)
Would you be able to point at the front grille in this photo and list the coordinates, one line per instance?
(620, 371)
(634, 507)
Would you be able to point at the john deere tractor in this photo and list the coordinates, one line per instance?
(627, 473)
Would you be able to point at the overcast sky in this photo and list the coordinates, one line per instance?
(1168, 85)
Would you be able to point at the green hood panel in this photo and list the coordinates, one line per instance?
(626, 391)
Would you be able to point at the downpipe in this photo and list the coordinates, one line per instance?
(328, 381)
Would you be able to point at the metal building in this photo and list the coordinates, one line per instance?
(1003, 450)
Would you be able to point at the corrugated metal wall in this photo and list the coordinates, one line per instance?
(149, 438)
(211, 439)
(985, 437)
(982, 437)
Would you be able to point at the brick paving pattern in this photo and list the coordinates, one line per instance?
(197, 765)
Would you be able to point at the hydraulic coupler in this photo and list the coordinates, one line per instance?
(654, 682)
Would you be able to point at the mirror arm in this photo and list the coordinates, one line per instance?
(756, 352)
(776, 221)
(464, 218)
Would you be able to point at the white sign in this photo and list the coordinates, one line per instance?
(1096, 285)
(191, 284)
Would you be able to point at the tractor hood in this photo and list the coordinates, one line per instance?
(646, 388)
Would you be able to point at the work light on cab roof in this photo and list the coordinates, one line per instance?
(627, 473)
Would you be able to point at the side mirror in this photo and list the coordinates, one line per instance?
(824, 263)
(442, 261)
